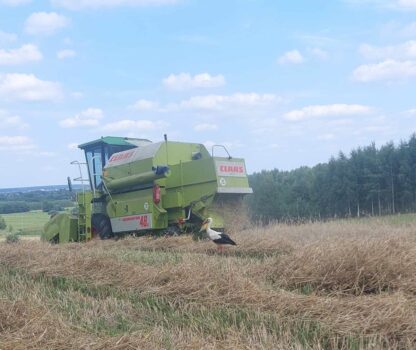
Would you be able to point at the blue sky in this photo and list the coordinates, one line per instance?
(280, 83)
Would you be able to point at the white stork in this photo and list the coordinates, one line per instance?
(219, 238)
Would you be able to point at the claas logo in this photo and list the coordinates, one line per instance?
(239, 169)
(121, 156)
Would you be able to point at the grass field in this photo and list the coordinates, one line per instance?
(30, 223)
(336, 285)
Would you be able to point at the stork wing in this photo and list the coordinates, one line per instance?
(225, 239)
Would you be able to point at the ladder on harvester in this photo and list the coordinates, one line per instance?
(82, 220)
(81, 204)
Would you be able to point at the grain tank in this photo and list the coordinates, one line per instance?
(137, 187)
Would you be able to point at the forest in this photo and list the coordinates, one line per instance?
(369, 181)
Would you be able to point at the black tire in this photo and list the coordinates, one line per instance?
(172, 231)
(102, 226)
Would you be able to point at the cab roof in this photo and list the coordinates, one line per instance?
(116, 141)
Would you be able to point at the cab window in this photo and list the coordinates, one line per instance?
(95, 166)
(97, 157)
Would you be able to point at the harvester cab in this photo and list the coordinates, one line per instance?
(98, 152)
(137, 187)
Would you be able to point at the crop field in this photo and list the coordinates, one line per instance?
(29, 223)
(337, 285)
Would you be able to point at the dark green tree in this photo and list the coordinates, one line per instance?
(3, 224)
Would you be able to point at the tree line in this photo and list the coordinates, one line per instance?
(20, 202)
(368, 181)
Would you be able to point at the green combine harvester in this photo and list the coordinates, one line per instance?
(139, 187)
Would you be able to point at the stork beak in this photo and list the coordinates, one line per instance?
(204, 226)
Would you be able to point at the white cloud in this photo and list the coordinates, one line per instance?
(89, 117)
(62, 54)
(185, 81)
(145, 105)
(411, 112)
(47, 154)
(128, 124)
(402, 51)
(393, 29)
(407, 3)
(11, 121)
(293, 56)
(319, 53)
(27, 87)
(205, 127)
(22, 145)
(95, 4)
(387, 4)
(318, 111)
(77, 95)
(26, 53)
(237, 100)
(408, 30)
(7, 38)
(387, 70)
(16, 143)
(326, 137)
(14, 2)
(45, 23)
(73, 145)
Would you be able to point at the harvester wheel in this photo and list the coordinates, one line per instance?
(172, 231)
(102, 226)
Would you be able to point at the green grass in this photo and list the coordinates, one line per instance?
(389, 219)
(151, 258)
(400, 219)
(30, 223)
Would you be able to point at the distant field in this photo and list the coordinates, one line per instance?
(347, 284)
(396, 220)
(400, 219)
(31, 223)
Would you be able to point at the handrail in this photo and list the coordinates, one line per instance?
(221, 146)
(80, 178)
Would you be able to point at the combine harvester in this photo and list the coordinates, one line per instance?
(139, 187)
